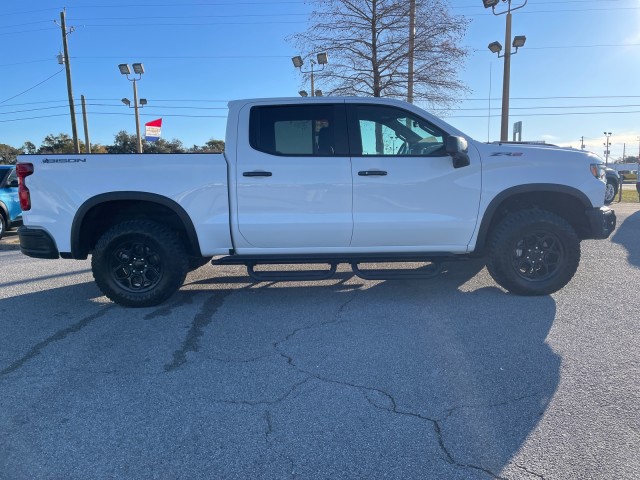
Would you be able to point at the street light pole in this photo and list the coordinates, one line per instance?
(135, 107)
(313, 87)
(506, 80)
(138, 69)
(495, 47)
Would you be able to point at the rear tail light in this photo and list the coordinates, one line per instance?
(24, 170)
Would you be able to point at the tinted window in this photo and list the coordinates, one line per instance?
(3, 174)
(311, 130)
(392, 131)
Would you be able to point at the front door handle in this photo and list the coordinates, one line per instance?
(369, 173)
(256, 174)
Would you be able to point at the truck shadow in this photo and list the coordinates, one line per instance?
(627, 235)
(415, 374)
(472, 361)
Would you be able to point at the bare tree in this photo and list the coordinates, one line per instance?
(368, 46)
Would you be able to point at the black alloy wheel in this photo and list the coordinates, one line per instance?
(538, 256)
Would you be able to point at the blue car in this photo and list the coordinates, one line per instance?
(10, 212)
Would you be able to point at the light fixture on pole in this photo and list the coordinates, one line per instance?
(606, 144)
(138, 69)
(496, 47)
(321, 59)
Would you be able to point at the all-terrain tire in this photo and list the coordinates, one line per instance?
(139, 263)
(533, 252)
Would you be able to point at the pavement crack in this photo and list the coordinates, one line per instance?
(268, 421)
(378, 398)
(201, 320)
(529, 471)
(269, 403)
(334, 320)
(56, 337)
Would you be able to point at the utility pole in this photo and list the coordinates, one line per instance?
(412, 38)
(72, 109)
(607, 144)
(87, 144)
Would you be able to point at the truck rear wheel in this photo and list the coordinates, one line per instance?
(533, 252)
(139, 263)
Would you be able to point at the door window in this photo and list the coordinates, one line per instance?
(298, 130)
(390, 131)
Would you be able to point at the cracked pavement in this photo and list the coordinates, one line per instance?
(448, 378)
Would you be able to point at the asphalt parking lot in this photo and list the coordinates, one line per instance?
(450, 378)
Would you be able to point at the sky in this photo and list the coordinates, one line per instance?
(577, 76)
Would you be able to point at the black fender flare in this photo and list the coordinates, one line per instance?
(498, 200)
(78, 219)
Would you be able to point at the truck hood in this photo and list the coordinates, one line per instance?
(538, 153)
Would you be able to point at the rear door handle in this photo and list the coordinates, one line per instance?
(256, 174)
(369, 173)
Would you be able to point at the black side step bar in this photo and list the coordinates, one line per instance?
(355, 260)
(291, 276)
(431, 271)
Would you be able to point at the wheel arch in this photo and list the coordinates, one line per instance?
(567, 202)
(99, 213)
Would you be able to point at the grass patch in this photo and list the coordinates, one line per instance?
(628, 196)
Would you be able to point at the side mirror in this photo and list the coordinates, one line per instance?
(13, 183)
(458, 147)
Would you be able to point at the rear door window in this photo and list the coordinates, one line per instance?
(299, 130)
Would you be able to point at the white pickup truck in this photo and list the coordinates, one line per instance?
(317, 181)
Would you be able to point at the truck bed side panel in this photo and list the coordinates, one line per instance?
(61, 184)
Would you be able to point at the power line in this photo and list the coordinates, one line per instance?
(238, 57)
(203, 100)
(553, 98)
(29, 31)
(187, 107)
(164, 114)
(560, 114)
(31, 88)
(31, 11)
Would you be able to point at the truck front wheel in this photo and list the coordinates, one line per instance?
(533, 252)
(610, 191)
(139, 263)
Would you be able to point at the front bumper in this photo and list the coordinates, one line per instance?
(602, 222)
(37, 243)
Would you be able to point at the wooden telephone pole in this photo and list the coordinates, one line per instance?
(72, 108)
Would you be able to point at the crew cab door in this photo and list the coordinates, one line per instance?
(406, 191)
(293, 176)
